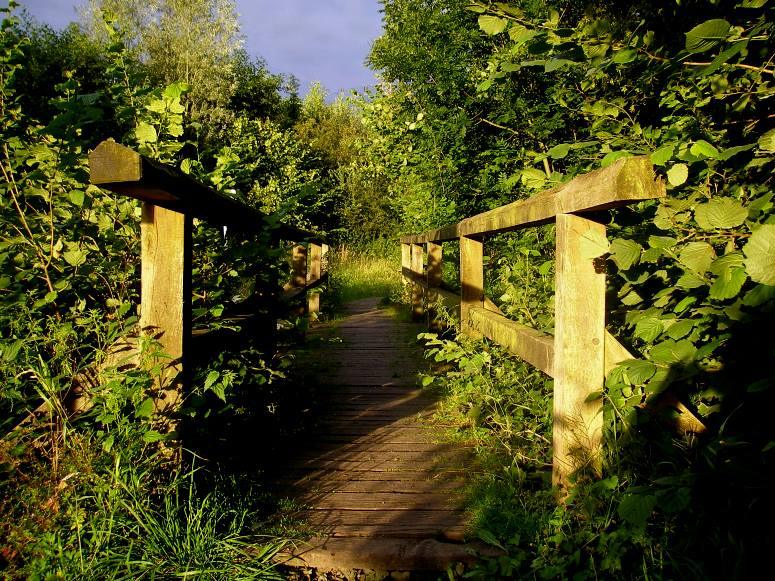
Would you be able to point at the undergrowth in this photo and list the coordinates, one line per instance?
(364, 270)
(663, 501)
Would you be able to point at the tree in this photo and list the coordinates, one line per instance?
(192, 41)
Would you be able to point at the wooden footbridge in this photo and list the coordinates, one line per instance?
(381, 488)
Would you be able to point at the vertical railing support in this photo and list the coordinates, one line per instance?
(471, 278)
(165, 294)
(435, 256)
(579, 347)
(406, 262)
(299, 266)
(314, 259)
(417, 289)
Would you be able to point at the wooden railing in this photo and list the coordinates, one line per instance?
(171, 200)
(581, 352)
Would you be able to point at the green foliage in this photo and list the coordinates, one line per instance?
(546, 92)
(366, 269)
(194, 42)
(69, 278)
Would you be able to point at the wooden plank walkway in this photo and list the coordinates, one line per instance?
(380, 488)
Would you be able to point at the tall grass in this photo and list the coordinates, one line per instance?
(364, 270)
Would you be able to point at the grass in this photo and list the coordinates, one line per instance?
(365, 270)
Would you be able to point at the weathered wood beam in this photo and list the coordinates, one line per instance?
(471, 279)
(314, 260)
(579, 346)
(165, 293)
(124, 171)
(417, 287)
(406, 263)
(533, 346)
(624, 182)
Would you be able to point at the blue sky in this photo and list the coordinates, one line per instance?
(316, 40)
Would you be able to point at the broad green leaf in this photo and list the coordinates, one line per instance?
(720, 213)
(11, 351)
(728, 284)
(767, 141)
(74, 257)
(760, 255)
(649, 329)
(689, 280)
(552, 65)
(146, 133)
(559, 151)
(684, 304)
(145, 409)
(702, 148)
(724, 263)
(157, 106)
(662, 155)
(625, 253)
(639, 371)
(707, 35)
(624, 56)
(759, 295)
(520, 35)
(175, 90)
(175, 129)
(533, 178)
(108, 443)
(697, 256)
(635, 509)
(220, 391)
(492, 24)
(723, 57)
(680, 329)
(152, 436)
(661, 241)
(76, 197)
(732, 151)
(211, 378)
(593, 51)
(669, 352)
(678, 174)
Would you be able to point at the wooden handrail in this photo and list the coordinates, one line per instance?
(121, 170)
(581, 352)
(171, 199)
(624, 182)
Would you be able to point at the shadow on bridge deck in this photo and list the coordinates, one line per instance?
(376, 481)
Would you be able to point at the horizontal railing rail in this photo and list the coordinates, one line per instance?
(171, 199)
(581, 352)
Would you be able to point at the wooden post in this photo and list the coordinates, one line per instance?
(299, 266)
(165, 293)
(471, 279)
(323, 258)
(579, 350)
(417, 290)
(433, 278)
(406, 262)
(314, 257)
